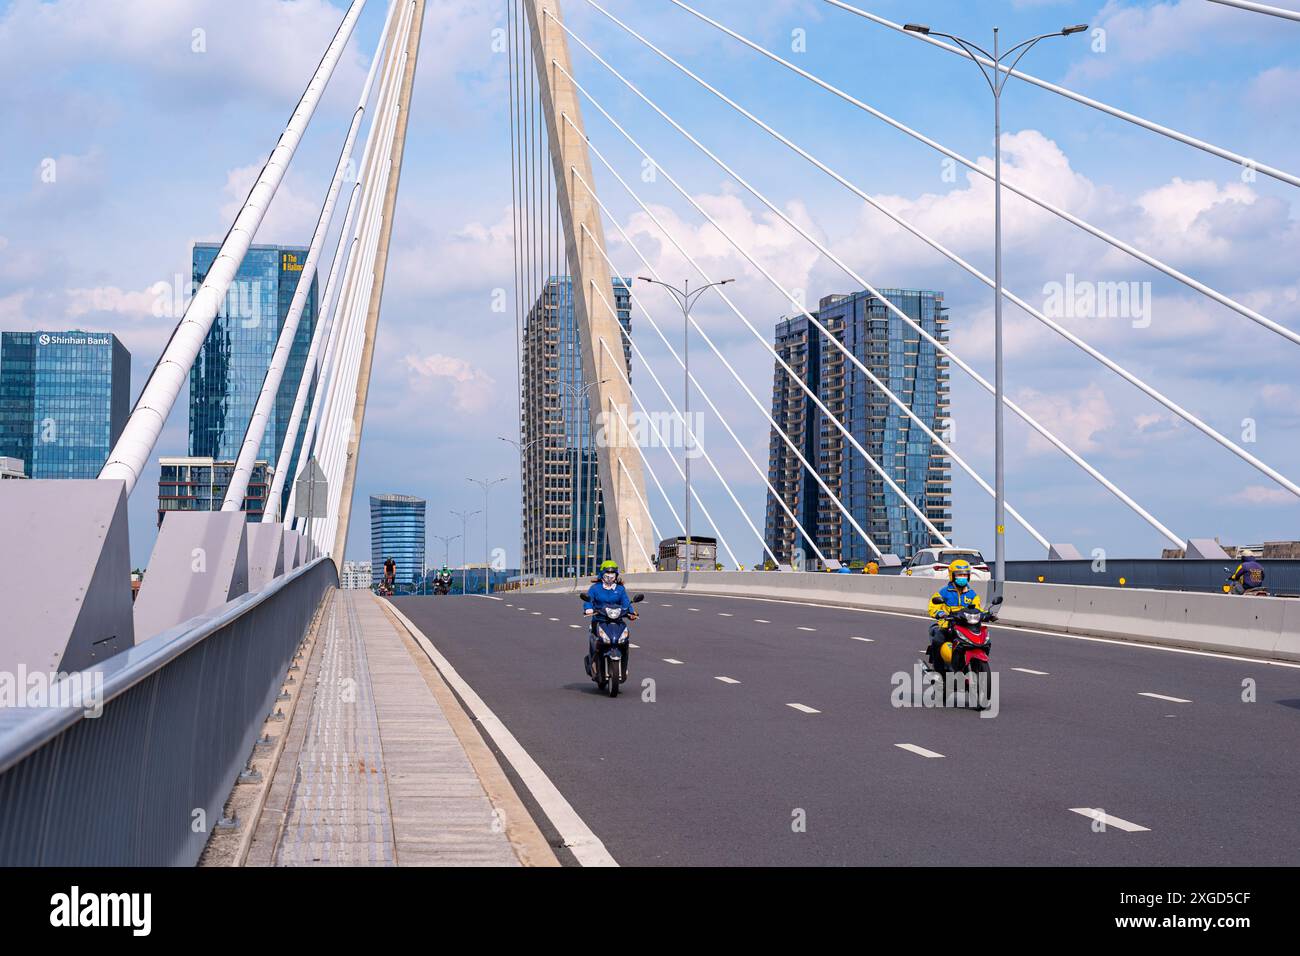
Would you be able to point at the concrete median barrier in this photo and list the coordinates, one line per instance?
(1253, 627)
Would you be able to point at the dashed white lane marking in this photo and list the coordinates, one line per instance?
(919, 751)
(537, 613)
(727, 680)
(865, 640)
(576, 627)
(635, 647)
(1026, 670)
(1106, 820)
(671, 660)
(665, 605)
(555, 619)
(759, 620)
(804, 708)
(692, 609)
(807, 628)
(1172, 700)
(725, 614)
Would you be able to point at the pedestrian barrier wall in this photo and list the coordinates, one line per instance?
(1264, 627)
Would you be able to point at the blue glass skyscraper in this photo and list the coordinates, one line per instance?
(915, 372)
(227, 375)
(64, 400)
(397, 532)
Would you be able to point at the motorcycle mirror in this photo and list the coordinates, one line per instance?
(584, 596)
(996, 601)
(638, 598)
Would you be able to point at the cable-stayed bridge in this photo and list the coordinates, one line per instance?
(224, 675)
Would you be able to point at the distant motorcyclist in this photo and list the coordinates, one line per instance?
(1248, 576)
(605, 592)
(957, 595)
(390, 574)
(442, 582)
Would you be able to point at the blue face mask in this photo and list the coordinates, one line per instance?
(961, 582)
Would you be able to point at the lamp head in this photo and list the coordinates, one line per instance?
(917, 28)
(1077, 28)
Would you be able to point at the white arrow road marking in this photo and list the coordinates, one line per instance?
(919, 751)
(671, 660)
(804, 708)
(727, 680)
(1026, 670)
(1096, 813)
(1172, 700)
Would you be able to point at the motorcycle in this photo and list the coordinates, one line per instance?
(606, 663)
(442, 586)
(1239, 587)
(969, 644)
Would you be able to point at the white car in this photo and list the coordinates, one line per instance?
(933, 563)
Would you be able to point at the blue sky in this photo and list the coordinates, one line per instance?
(155, 144)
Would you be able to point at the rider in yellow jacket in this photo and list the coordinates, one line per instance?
(955, 596)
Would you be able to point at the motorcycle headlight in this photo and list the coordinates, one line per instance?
(613, 613)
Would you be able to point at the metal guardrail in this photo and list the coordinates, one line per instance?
(143, 783)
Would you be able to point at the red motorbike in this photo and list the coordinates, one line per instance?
(966, 651)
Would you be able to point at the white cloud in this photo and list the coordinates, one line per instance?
(472, 389)
(1269, 495)
(1077, 417)
(291, 218)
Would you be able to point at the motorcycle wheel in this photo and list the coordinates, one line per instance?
(602, 671)
(978, 673)
(613, 670)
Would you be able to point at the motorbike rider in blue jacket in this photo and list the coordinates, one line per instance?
(607, 591)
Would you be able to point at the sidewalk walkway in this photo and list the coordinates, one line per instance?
(373, 772)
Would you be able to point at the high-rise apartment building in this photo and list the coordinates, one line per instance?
(915, 372)
(563, 508)
(397, 532)
(228, 373)
(199, 484)
(64, 400)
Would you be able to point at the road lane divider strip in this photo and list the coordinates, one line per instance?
(727, 680)
(804, 708)
(919, 751)
(1172, 700)
(1106, 820)
(1026, 670)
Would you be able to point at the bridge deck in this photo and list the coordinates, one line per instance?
(373, 772)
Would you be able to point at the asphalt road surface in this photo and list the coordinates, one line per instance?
(800, 756)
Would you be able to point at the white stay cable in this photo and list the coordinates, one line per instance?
(740, 315)
(691, 437)
(758, 403)
(350, 246)
(1087, 227)
(632, 525)
(941, 346)
(677, 465)
(644, 507)
(131, 452)
(1278, 174)
(780, 500)
(266, 399)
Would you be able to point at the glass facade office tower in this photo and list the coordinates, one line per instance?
(199, 484)
(563, 509)
(64, 400)
(915, 372)
(227, 375)
(397, 532)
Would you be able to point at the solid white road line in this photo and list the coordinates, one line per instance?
(1026, 670)
(865, 640)
(671, 660)
(1172, 700)
(807, 628)
(919, 751)
(586, 847)
(804, 708)
(1096, 813)
(727, 680)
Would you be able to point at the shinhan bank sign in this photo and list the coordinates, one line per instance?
(46, 338)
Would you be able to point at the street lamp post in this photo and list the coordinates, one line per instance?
(578, 394)
(997, 81)
(446, 546)
(522, 448)
(464, 517)
(686, 299)
(486, 484)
